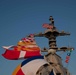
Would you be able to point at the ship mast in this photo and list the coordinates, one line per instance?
(54, 60)
(51, 33)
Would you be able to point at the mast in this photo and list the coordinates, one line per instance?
(51, 33)
(54, 60)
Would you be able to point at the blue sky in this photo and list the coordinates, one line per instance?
(19, 18)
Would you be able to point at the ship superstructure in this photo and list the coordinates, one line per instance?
(54, 60)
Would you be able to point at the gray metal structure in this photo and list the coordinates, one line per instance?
(54, 60)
